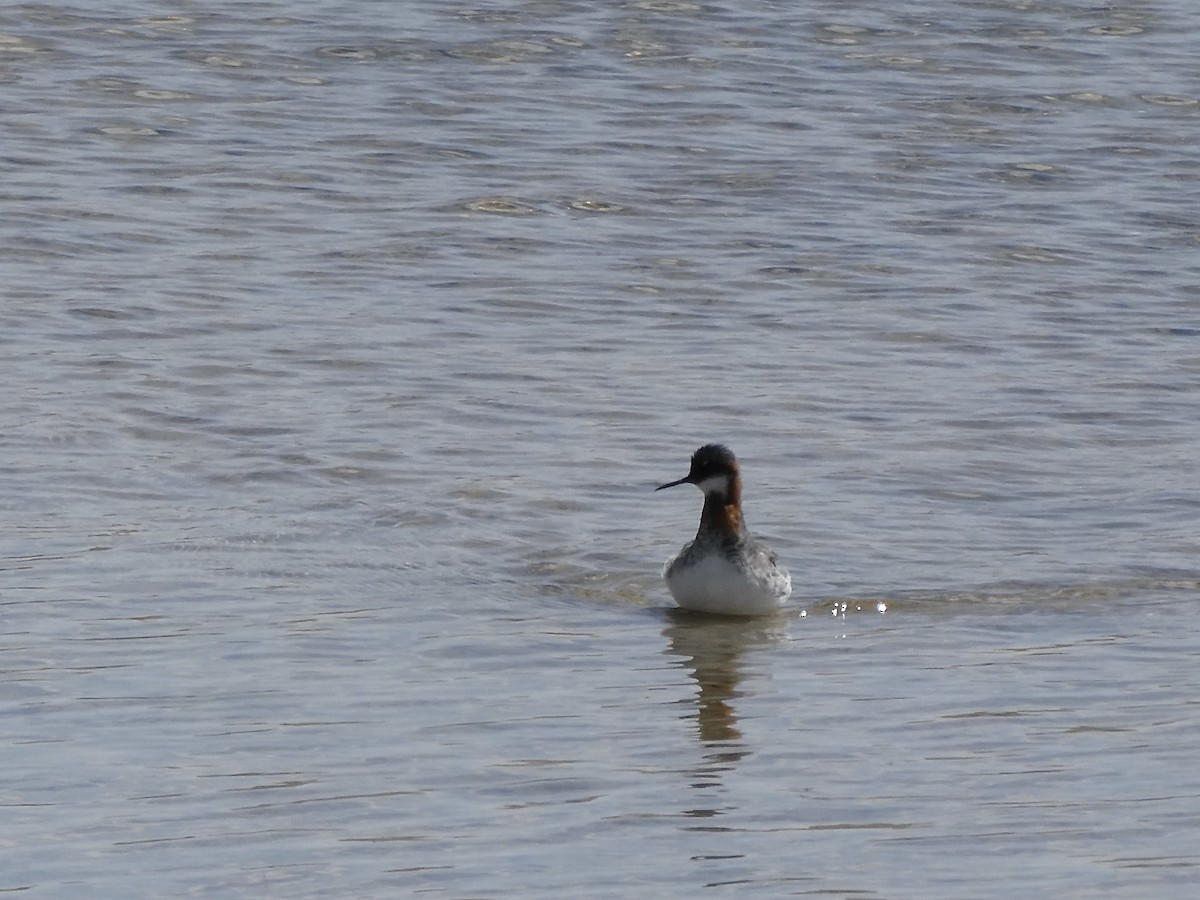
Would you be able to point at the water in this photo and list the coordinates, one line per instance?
(344, 345)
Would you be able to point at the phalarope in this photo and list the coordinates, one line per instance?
(724, 570)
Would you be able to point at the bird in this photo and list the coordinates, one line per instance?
(724, 570)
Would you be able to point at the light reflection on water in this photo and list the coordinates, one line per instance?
(712, 650)
(344, 349)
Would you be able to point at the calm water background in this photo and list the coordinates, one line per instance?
(342, 346)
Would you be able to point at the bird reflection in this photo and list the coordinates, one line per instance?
(713, 647)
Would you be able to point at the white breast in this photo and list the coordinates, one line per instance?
(714, 584)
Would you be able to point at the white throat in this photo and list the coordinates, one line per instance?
(714, 484)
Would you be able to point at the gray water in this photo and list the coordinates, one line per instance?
(343, 345)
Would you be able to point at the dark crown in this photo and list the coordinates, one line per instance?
(712, 459)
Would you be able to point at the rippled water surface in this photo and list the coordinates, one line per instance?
(343, 345)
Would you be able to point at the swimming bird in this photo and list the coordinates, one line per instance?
(724, 570)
